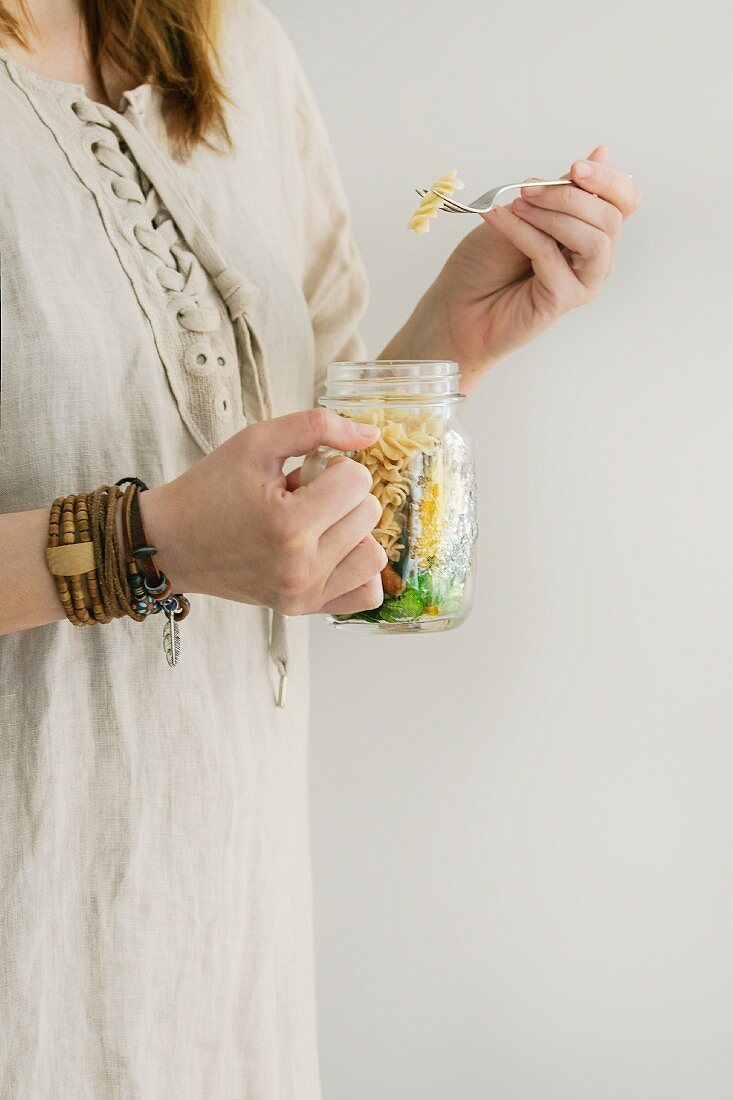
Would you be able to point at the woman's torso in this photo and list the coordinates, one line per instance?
(156, 937)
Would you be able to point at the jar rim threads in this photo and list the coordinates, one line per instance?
(392, 381)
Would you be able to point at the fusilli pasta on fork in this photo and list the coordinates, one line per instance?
(432, 201)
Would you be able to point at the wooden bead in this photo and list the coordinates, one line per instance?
(98, 612)
(62, 587)
(66, 601)
(77, 595)
(68, 526)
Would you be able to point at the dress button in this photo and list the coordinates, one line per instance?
(200, 359)
(226, 362)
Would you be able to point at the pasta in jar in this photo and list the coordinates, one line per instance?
(423, 477)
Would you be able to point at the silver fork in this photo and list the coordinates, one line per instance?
(484, 203)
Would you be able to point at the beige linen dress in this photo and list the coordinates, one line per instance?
(155, 909)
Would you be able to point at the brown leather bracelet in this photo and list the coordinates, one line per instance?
(141, 554)
(156, 582)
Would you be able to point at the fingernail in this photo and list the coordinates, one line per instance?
(532, 190)
(520, 204)
(582, 169)
(365, 429)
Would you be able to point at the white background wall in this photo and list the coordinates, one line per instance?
(523, 831)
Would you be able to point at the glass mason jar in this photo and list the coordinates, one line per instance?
(423, 476)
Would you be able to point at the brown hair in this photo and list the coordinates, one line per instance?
(171, 44)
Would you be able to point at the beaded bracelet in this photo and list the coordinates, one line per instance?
(81, 515)
(62, 584)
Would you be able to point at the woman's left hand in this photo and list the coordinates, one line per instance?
(531, 261)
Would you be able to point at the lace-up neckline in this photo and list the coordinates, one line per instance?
(155, 231)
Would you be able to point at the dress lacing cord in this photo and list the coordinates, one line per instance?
(170, 217)
(156, 232)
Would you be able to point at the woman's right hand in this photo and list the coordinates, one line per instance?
(234, 526)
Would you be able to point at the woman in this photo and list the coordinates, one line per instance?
(176, 264)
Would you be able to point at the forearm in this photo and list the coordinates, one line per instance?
(28, 595)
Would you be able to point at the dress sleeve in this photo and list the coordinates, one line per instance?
(315, 212)
(335, 283)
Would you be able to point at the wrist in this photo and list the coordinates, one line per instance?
(161, 523)
(433, 331)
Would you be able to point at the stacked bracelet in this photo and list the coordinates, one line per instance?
(97, 578)
(142, 601)
(151, 589)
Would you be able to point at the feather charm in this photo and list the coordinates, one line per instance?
(171, 639)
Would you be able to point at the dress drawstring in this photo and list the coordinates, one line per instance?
(279, 653)
(238, 293)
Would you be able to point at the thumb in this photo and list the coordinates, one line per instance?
(601, 155)
(296, 434)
